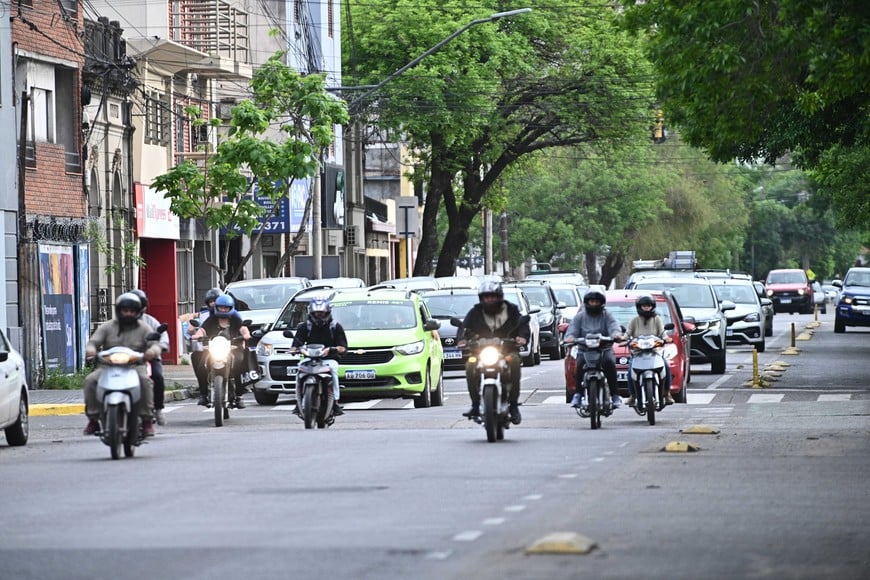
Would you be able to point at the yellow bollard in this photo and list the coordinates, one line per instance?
(816, 312)
(754, 366)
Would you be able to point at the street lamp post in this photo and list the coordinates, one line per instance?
(354, 147)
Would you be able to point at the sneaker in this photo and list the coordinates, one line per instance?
(203, 401)
(92, 428)
(578, 401)
(669, 399)
(631, 401)
(337, 410)
(297, 412)
(148, 428)
(474, 411)
(516, 417)
(617, 401)
(161, 418)
(240, 403)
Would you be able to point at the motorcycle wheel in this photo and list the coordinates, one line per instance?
(114, 420)
(649, 389)
(322, 409)
(592, 398)
(218, 397)
(132, 435)
(490, 413)
(308, 410)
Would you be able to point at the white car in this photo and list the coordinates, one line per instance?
(820, 298)
(14, 399)
(260, 300)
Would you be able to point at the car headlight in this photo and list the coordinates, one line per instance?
(847, 300)
(801, 292)
(701, 326)
(413, 348)
(769, 293)
(489, 356)
(754, 317)
(265, 349)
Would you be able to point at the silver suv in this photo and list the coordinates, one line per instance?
(699, 305)
(747, 321)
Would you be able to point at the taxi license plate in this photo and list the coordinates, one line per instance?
(366, 374)
(455, 354)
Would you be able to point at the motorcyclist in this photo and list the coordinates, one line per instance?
(225, 317)
(157, 363)
(493, 317)
(320, 328)
(198, 356)
(129, 330)
(594, 318)
(647, 322)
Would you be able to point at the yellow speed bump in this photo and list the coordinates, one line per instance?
(804, 336)
(700, 430)
(562, 543)
(46, 409)
(680, 447)
(791, 351)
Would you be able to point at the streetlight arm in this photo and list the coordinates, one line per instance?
(361, 99)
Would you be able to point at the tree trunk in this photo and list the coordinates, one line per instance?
(439, 182)
(611, 267)
(591, 267)
(454, 241)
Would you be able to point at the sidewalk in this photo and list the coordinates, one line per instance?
(180, 385)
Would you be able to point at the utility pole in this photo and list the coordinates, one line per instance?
(487, 241)
(316, 245)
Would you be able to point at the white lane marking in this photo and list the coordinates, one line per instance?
(568, 476)
(408, 405)
(438, 555)
(715, 384)
(835, 397)
(598, 459)
(468, 536)
(514, 508)
(700, 398)
(494, 521)
(554, 400)
(362, 405)
(533, 497)
(765, 398)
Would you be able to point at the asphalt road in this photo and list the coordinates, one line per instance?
(395, 492)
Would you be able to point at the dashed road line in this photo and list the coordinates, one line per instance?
(468, 536)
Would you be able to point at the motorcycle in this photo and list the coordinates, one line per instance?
(594, 382)
(648, 368)
(316, 402)
(120, 396)
(221, 384)
(491, 364)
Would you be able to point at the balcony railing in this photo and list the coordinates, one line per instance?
(213, 27)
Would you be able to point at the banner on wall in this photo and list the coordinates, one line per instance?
(59, 325)
(84, 300)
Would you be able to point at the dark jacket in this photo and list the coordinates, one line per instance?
(331, 334)
(212, 328)
(474, 324)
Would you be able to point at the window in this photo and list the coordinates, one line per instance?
(41, 115)
(330, 30)
(156, 119)
(70, 7)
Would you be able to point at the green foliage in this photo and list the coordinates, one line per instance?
(273, 138)
(62, 382)
(761, 80)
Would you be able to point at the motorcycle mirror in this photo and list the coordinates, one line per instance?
(246, 322)
(161, 329)
(152, 336)
(257, 333)
(195, 322)
(668, 326)
(289, 333)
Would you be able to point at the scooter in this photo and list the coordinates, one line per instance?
(594, 382)
(647, 368)
(315, 379)
(491, 364)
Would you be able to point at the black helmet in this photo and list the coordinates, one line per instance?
(594, 295)
(491, 288)
(320, 311)
(645, 300)
(212, 295)
(128, 301)
(142, 297)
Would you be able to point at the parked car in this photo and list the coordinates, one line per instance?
(766, 306)
(394, 349)
(541, 295)
(261, 299)
(790, 290)
(14, 396)
(620, 303)
(340, 282)
(831, 292)
(746, 322)
(412, 283)
(699, 305)
(575, 278)
(572, 297)
(819, 299)
(448, 302)
(469, 282)
(853, 304)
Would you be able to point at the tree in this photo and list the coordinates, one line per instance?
(550, 78)
(220, 191)
(759, 80)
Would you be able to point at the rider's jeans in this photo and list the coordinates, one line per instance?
(333, 371)
(631, 377)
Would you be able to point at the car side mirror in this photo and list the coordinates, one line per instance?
(727, 305)
(432, 324)
(766, 302)
(4, 356)
(837, 283)
(561, 305)
(289, 333)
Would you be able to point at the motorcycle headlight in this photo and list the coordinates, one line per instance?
(219, 347)
(119, 358)
(670, 351)
(489, 356)
(592, 342)
(413, 348)
(644, 343)
(265, 348)
(754, 317)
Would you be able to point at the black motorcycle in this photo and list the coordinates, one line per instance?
(593, 385)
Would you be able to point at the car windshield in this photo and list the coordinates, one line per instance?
(375, 314)
(567, 296)
(786, 278)
(538, 296)
(263, 296)
(687, 295)
(736, 294)
(447, 305)
(625, 311)
(857, 279)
